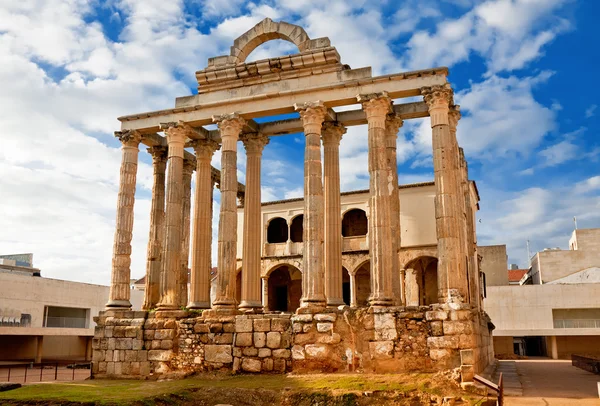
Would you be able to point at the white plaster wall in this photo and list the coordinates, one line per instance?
(494, 264)
(27, 294)
(527, 310)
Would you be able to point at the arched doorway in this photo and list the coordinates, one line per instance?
(277, 231)
(297, 228)
(363, 284)
(285, 289)
(346, 292)
(355, 223)
(420, 281)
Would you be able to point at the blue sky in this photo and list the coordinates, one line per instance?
(523, 71)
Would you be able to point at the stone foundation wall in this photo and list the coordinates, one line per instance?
(177, 343)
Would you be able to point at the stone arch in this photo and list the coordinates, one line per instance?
(271, 264)
(297, 228)
(421, 281)
(277, 230)
(265, 31)
(284, 287)
(353, 261)
(407, 255)
(355, 223)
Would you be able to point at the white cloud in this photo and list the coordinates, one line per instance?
(591, 111)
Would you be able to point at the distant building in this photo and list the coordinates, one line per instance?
(554, 307)
(43, 318)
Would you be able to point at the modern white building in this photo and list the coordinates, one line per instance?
(555, 310)
(44, 319)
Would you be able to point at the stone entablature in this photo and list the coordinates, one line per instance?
(176, 343)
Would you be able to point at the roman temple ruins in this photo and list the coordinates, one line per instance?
(384, 280)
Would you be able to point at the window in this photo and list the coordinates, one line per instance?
(355, 223)
(66, 317)
(277, 231)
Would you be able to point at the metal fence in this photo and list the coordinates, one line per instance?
(577, 323)
(45, 372)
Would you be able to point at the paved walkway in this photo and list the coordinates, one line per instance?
(548, 382)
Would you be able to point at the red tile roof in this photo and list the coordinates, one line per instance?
(515, 275)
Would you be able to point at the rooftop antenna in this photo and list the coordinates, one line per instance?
(575, 221)
(528, 254)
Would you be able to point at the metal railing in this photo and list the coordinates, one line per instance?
(577, 323)
(45, 372)
(66, 322)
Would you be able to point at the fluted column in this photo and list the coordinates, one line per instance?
(157, 221)
(121, 262)
(230, 126)
(182, 280)
(403, 287)
(452, 285)
(313, 280)
(392, 125)
(171, 266)
(265, 293)
(202, 230)
(376, 107)
(353, 290)
(331, 136)
(411, 288)
(251, 288)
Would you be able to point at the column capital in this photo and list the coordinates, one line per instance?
(453, 116)
(129, 138)
(204, 149)
(159, 154)
(230, 124)
(438, 98)
(332, 132)
(393, 123)
(254, 143)
(375, 104)
(176, 135)
(312, 115)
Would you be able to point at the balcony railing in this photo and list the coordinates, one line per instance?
(577, 323)
(66, 322)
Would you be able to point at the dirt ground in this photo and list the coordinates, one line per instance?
(555, 383)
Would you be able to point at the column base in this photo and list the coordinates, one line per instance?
(251, 306)
(312, 307)
(166, 306)
(216, 312)
(381, 302)
(335, 302)
(198, 305)
(118, 304)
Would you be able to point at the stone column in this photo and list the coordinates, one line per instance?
(182, 280)
(353, 292)
(265, 293)
(250, 298)
(411, 288)
(39, 349)
(392, 125)
(230, 126)
(553, 347)
(313, 281)
(157, 221)
(331, 136)
(171, 266)
(452, 285)
(202, 231)
(377, 106)
(403, 287)
(121, 262)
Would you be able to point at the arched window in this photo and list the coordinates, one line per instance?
(297, 228)
(355, 223)
(277, 230)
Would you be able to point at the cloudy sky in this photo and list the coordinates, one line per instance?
(524, 72)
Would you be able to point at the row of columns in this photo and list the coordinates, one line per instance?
(322, 277)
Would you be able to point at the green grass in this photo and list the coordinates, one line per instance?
(128, 391)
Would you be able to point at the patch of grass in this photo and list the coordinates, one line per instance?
(144, 392)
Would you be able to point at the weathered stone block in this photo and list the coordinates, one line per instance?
(304, 338)
(264, 352)
(381, 349)
(296, 328)
(119, 332)
(145, 368)
(251, 365)
(228, 327)
(437, 328)
(267, 364)
(457, 327)
(461, 315)
(437, 354)
(334, 338)
(467, 341)
(384, 321)
(237, 352)
(218, 353)
(130, 355)
(243, 325)
(328, 317)
(324, 327)
(166, 344)
(201, 328)
(215, 327)
(142, 355)
(260, 339)
(250, 352)
(110, 368)
(262, 324)
(137, 344)
(281, 353)
(243, 339)
(442, 342)
(316, 350)
(224, 338)
(273, 339)
(160, 355)
(385, 334)
(279, 365)
(467, 357)
(307, 328)
(280, 324)
(298, 352)
(131, 332)
(302, 318)
(436, 315)
(164, 334)
(467, 372)
(124, 343)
